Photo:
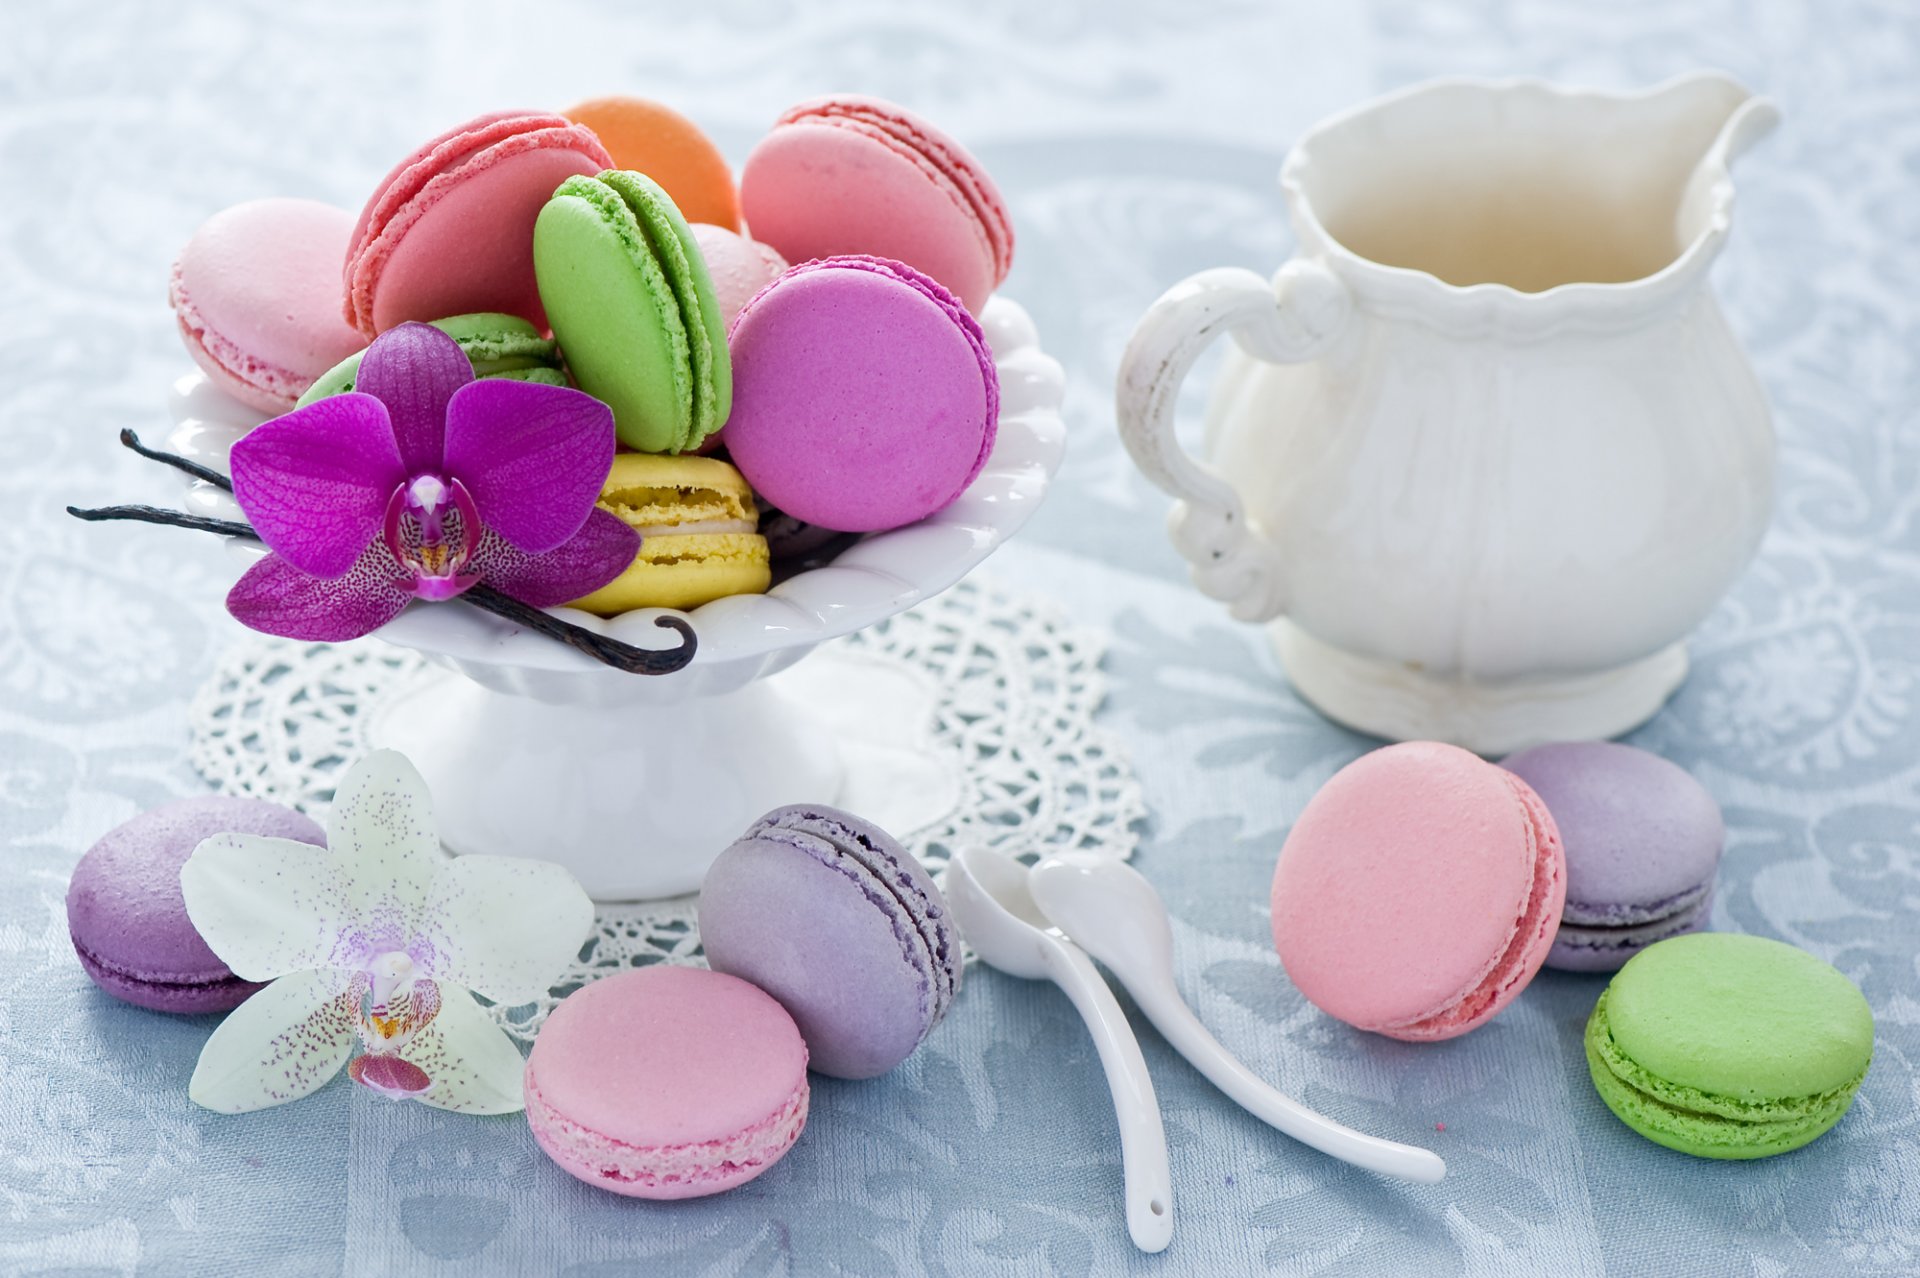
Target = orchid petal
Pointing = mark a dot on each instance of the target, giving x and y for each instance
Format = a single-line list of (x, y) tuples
[(277, 598), (602, 550), (281, 1044), (315, 483), (534, 457), (475, 1067), (270, 907), (502, 926), (415, 370), (381, 828)]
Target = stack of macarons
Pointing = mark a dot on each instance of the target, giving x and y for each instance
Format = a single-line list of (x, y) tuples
[(1422, 888), (830, 949), (812, 328)]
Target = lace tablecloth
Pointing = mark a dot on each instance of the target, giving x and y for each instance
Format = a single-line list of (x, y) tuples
[(1136, 142)]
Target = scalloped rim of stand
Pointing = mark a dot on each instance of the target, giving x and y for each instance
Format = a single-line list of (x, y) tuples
[(881, 575)]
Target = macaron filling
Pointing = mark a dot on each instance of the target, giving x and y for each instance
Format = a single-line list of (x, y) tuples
[(1720, 1126), (183, 981), (716, 1163), (1533, 925), (1597, 930)]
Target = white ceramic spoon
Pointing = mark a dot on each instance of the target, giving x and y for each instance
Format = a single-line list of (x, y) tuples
[(989, 898), (1110, 909)]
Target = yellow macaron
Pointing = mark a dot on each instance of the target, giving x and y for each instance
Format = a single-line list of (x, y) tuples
[(698, 534)]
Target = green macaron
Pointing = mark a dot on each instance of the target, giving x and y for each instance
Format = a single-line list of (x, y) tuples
[(1729, 1046), (633, 308), (499, 346)]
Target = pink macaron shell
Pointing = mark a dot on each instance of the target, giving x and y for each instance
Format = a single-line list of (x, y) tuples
[(667, 1082), (739, 267), (943, 152), (826, 186), (1418, 892), (256, 293), (461, 240), (864, 397)]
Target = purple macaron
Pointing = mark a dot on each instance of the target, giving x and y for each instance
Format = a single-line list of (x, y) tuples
[(864, 394), (1643, 841), (831, 916), (128, 917)]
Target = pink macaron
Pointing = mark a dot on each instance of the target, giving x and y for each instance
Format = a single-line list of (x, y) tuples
[(738, 266), (667, 1082), (450, 230), (256, 292), (1419, 892), (864, 395), (849, 174)]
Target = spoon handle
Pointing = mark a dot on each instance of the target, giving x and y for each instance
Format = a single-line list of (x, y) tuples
[(1143, 1141), (1177, 1023)]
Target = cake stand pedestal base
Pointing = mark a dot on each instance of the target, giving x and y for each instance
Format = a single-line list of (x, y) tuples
[(635, 801)]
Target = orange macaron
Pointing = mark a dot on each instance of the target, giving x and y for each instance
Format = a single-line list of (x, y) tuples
[(654, 139)]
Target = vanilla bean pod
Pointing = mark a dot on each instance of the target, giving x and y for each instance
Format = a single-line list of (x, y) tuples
[(607, 651)]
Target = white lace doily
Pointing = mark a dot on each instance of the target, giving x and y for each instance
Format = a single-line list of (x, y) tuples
[(1014, 688)]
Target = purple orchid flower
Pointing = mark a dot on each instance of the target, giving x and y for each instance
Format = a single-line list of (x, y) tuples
[(416, 485)]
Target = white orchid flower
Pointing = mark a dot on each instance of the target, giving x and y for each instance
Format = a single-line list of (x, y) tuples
[(376, 938)]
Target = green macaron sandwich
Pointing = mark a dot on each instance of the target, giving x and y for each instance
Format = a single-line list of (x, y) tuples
[(1729, 1046), (498, 345), (632, 305)]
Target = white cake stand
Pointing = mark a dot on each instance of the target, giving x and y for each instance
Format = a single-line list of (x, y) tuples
[(636, 782)]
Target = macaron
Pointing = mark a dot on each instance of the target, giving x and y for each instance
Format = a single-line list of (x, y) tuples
[(831, 916), (865, 396), (1643, 842), (497, 345), (667, 1082), (1728, 1046), (256, 292), (849, 174), (128, 917), (448, 231), (739, 267), (699, 534), (1418, 892), (652, 138), (630, 301)]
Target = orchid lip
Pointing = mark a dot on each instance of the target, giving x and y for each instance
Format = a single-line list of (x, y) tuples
[(416, 530)]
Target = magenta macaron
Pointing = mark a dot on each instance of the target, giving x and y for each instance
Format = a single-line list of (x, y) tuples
[(850, 174), (450, 230), (667, 1082), (256, 293), (128, 917), (1419, 892), (864, 395)]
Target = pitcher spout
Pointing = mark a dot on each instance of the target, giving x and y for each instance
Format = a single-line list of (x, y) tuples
[(1517, 205), (1732, 119)]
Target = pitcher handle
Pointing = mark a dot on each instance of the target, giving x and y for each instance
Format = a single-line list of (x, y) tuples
[(1292, 319)]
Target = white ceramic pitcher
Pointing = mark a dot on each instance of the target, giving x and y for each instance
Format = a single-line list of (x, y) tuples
[(1486, 447)]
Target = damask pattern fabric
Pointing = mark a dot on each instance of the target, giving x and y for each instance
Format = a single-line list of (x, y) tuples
[(1136, 142)]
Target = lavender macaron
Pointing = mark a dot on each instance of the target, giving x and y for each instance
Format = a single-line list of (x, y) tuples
[(1643, 841), (127, 915), (831, 916)]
